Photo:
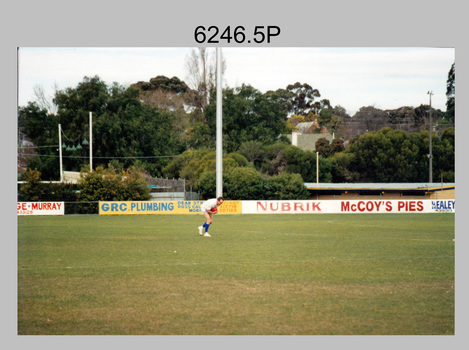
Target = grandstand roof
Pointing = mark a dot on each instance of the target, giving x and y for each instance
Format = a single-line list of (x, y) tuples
[(419, 186)]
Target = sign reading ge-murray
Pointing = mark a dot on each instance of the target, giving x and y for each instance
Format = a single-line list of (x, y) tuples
[(40, 208)]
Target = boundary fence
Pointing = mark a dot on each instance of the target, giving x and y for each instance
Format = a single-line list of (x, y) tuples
[(238, 207)]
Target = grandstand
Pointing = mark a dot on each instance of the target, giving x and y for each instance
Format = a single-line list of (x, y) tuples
[(351, 191)]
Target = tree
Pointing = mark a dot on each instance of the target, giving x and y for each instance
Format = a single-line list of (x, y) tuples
[(248, 115), (342, 168), (340, 112), (327, 149), (43, 101), (444, 160), (36, 122), (420, 116), (91, 94), (200, 135), (303, 101), (73, 108), (323, 147), (106, 184), (281, 158), (370, 119), (337, 145), (390, 156), (201, 69), (325, 118), (41, 127), (245, 183), (191, 164), (253, 151), (450, 94), (240, 183), (31, 190), (284, 187), (300, 99), (163, 92), (125, 130), (293, 122)]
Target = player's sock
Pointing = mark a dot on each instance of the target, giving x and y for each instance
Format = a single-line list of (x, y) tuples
[(206, 227)]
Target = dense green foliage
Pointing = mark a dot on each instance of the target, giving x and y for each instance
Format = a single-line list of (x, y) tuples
[(32, 190), (248, 115), (450, 94), (245, 183), (100, 185), (124, 129), (110, 185), (395, 156), (147, 126)]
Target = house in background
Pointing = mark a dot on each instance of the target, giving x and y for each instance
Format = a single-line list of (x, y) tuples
[(305, 135)]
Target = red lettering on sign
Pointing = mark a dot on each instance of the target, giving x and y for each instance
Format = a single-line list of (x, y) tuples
[(263, 208), (286, 207), (316, 207), (345, 206), (388, 206), (299, 206), (420, 206)]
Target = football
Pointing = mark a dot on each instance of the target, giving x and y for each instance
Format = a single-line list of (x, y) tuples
[(215, 210)]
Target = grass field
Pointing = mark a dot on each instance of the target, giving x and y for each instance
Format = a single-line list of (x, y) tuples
[(258, 274)]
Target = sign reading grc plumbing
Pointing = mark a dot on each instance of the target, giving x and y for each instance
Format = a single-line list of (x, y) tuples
[(162, 207), (40, 208), (149, 207)]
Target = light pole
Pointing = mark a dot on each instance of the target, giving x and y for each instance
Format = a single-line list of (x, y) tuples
[(91, 141), (317, 167), (219, 128), (430, 156)]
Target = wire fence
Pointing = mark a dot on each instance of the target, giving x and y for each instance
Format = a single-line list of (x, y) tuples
[(91, 207)]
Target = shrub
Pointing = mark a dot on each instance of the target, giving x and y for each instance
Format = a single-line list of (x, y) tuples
[(35, 191), (244, 183), (285, 186), (110, 185)]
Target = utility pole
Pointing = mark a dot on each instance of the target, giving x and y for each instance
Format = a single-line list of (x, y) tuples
[(430, 156)]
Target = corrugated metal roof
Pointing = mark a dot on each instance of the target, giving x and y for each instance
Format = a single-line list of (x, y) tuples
[(380, 186)]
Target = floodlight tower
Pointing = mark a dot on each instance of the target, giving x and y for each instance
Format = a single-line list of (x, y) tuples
[(219, 150)]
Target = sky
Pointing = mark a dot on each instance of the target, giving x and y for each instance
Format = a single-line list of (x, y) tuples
[(352, 77)]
